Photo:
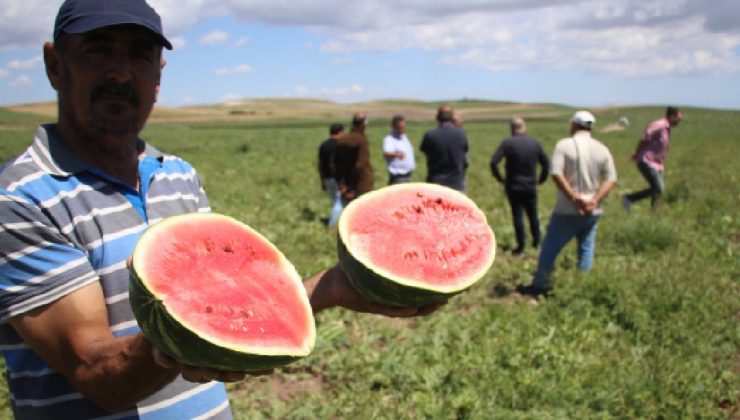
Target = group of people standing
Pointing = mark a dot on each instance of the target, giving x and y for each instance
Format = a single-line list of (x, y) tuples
[(581, 167), (344, 159)]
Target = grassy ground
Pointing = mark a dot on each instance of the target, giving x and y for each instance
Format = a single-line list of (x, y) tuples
[(652, 332)]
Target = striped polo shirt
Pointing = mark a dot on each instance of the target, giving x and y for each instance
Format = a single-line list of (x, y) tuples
[(64, 225)]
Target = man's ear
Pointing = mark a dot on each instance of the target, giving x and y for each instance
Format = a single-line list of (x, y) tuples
[(162, 63), (53, 65)]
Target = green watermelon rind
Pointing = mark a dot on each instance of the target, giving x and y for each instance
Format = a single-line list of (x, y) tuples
[(385, 288), (380, 289), (173, 337)]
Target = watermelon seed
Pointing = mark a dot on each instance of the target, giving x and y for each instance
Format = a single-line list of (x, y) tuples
[(262, 330), (420, 194), (439, 200), (245, 329), (209, 309), (229, 249), (411, 255), (209, 245)]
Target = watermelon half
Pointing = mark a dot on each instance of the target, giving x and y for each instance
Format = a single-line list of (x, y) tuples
[(212, 292), (414, 244)]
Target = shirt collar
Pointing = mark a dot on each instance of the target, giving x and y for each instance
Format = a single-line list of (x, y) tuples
[(582, 134), (55, 158)]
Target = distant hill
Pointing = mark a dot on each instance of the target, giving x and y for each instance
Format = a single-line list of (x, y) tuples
[(319, 109)]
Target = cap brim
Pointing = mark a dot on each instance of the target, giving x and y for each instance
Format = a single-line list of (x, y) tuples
[(82, 25)]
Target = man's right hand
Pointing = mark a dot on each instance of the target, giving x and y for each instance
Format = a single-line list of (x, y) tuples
[(200, 374)]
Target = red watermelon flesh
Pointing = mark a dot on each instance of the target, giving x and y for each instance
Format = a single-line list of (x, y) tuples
[(414, 243), (226, 283)]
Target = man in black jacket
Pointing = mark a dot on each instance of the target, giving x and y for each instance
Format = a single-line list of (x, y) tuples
[(522, 153), (446, 150)]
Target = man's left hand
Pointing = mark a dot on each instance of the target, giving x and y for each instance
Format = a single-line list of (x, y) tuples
[(331, 288)]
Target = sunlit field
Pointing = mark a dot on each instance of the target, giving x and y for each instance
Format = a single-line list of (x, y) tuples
[(652, 332)]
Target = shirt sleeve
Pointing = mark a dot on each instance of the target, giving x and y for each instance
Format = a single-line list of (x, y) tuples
[(609, 172), (423, 147), (388, 145), (497, 156), (39, 264), (204, 205), (545, 162), (557, 163)]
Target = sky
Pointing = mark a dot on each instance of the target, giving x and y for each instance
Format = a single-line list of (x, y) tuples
[(573, 52)]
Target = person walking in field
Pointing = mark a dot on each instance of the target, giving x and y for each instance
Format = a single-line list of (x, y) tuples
[(584, 173), (446, 150), (398, 152), (353, 170), (326, 171), (72, 207), (522, 154), (650, 155)]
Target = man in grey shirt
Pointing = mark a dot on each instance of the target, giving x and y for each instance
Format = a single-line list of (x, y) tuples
[(583, 170)]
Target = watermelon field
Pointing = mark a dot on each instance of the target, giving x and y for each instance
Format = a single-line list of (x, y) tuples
[(652, 332)]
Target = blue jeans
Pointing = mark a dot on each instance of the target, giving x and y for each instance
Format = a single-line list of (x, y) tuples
[(337, 203), (561, 229)]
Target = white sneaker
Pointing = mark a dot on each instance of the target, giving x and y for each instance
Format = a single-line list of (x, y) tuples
[(627, 204)]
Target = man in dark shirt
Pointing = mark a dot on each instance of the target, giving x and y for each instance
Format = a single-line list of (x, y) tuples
[(522, 153), (353, 170), (446, 149), (326, 171)]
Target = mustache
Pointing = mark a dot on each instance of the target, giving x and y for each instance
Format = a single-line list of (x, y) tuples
[(112, 88)]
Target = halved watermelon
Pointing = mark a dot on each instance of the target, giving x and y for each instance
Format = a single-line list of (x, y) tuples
[(212, 292), (414, 244)]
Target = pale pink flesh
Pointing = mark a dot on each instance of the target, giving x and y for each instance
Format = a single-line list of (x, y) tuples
[(223, 281), (428, 237)]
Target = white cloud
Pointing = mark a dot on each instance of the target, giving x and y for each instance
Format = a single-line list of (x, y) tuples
[(241, 42), (214, 37), (31, 63), (240, 69), (178, 42), (625, 37), (333, 92), (231, 97), (21, 81)]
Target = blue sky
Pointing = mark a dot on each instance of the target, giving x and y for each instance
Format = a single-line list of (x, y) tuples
[(576, 52)]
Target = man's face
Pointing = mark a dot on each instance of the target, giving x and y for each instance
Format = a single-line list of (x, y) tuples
[(107, 84), (399, 127), (675, 119)]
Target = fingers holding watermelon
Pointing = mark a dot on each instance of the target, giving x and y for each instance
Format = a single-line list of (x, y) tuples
[(331, 288), (202, 375)]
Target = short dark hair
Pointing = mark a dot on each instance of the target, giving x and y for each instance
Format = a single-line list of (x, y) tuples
[(671, 112), (397, 119), (445, 114), (336, 128), (359, 121)]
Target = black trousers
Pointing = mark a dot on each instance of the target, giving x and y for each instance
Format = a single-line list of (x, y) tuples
[(524, 201)]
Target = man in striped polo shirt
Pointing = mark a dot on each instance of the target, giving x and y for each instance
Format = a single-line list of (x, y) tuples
[(73, 205)]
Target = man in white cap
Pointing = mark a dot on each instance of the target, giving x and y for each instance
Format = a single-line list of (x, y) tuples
[(583, 170)]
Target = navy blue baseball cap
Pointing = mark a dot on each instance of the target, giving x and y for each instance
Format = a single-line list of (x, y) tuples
[(79, 16)]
